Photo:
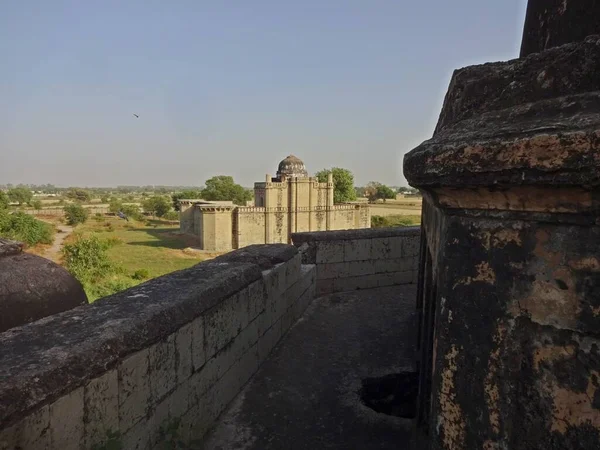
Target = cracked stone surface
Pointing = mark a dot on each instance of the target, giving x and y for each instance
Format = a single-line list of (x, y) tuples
[(306, 395)]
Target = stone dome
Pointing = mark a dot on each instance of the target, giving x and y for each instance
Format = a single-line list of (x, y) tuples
[(32, 287), (292, 166)]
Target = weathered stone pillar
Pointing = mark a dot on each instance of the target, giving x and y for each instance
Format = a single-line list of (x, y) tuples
[(509, 287), (292, 208), (329, 209)]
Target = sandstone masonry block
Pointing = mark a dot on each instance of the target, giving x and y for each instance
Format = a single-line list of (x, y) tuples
[(406, 277), (225, 390), (198, 345), (163, 376), (101, 399), (158, 421), (225, 321), (382, 249), (256, 299), (66, 421), (32, 433), (268, 341), (330, 252), (183, 347), (179, 400), (292, 270), (196, 422), (134, 389), (137, 437), (357, 250), (411, 246)]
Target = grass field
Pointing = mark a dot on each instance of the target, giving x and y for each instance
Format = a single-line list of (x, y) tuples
[(404, 207), (156, 248)]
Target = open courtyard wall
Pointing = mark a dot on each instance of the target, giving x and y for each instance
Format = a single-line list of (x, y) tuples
[(361, 259)]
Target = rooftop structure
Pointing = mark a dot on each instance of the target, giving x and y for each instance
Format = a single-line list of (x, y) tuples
[(289, 203)]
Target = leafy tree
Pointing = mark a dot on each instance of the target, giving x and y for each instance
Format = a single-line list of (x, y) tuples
[(105, 199), (80, 195), (132, 211), (184, 195), (4, 201), (20, 195), (171, 215), (115, 205), (157, 204), (343, 184), (223, 188), (36, 204), (385, 193), (76, 214)]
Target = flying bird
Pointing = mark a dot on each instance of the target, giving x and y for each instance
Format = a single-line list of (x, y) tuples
[(136, 116)]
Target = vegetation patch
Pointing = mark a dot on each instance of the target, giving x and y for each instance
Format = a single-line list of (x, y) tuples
[(25, 228), (395, 221)]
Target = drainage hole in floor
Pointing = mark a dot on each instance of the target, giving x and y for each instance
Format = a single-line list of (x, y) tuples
[(394, 394)]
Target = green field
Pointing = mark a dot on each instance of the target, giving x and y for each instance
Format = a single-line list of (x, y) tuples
[(154, 246)]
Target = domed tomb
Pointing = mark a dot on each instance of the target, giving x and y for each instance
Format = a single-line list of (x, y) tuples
[(32, 287), (291, 166)]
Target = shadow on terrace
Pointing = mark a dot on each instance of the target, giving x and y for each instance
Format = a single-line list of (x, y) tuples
[(267, 347)]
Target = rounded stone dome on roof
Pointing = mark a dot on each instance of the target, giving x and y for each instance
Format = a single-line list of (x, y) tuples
[(32, 287), (292, 166)]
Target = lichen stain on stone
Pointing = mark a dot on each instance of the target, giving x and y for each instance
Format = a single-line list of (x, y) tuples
[(548, 304), (543, 151), (529, 198), (490, 387), (551, 354), (573, 409), (589, 264), (499, 238), (485, 274), (451, 420)]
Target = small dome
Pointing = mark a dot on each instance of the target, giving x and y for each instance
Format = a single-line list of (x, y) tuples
[(292, 167), (32, 287)]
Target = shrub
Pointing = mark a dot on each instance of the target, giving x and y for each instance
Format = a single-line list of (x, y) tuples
[(108, 226), (171, 215), (107, 287), (3, 200), (76, 214), (23, 227), (87, 260), (141, 274), (36, 204), (113, 240), (394, 221), (98, 217)]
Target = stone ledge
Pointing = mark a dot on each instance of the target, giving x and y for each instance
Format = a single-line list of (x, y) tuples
[(43, 360), (364, 233)]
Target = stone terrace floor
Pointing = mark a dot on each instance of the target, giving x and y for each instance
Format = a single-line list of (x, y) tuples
[(305, 396)]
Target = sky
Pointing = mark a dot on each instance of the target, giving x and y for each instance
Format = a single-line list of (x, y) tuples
[(231, 87)]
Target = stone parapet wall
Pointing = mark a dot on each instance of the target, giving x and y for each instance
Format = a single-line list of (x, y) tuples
[(361, 259), (153, 364)]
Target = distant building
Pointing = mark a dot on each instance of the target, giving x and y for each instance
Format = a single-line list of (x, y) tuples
[(289, 203)]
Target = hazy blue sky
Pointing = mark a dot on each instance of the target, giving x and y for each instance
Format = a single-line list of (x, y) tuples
[(231, 87)]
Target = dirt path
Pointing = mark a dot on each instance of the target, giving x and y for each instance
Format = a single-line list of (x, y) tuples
[(54, 251)]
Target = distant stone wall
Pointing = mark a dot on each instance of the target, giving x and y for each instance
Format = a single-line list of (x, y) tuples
[(156, 362), (361, 259)]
